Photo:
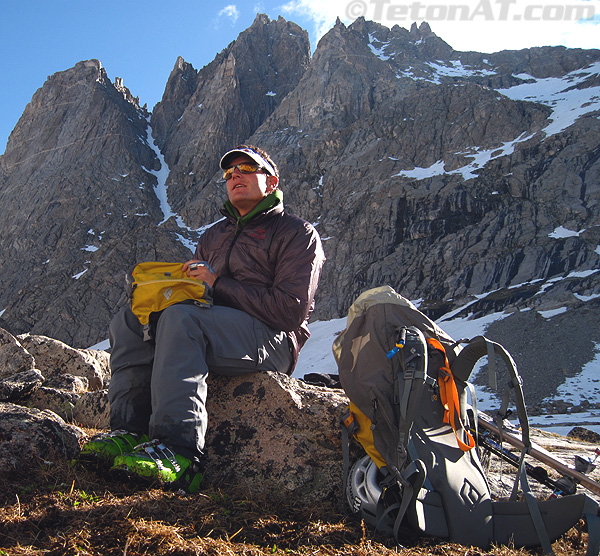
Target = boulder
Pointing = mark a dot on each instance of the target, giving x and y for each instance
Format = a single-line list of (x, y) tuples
[(270, 432), (14, 358), (20, 385), (46, 374), (31, 437), (91, 409), (54, 357), (581, 433), (56, 400)]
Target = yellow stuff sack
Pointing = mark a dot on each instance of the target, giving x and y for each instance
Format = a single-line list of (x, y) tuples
[(154, 286)]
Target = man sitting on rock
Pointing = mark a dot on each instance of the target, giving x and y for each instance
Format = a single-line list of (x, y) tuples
[(263, 265)]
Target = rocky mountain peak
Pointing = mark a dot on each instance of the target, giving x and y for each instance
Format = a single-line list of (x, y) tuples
[(260, 21), (119, 86), (421, 32), (178, 91), (80, 80), (77, 158), (242, 87), (342, 84)]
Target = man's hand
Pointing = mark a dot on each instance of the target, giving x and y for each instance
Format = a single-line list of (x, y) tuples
[(200, 270)]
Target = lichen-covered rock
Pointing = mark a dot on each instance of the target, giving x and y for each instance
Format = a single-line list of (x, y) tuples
[(54, 357), (20, 385), (30, 437), (58, 401), (92, 410), (102, 358), (581, 433), (68, 383), (268, 431), (14, 358)]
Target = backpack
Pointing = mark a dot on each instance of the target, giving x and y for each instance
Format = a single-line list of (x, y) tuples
[(406, 380), (153, 286)]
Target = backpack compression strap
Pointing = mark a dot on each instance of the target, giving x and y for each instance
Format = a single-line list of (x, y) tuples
[(479, 347), (449, 399)]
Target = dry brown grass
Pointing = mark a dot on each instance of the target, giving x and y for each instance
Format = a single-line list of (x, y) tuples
[(68, 510)]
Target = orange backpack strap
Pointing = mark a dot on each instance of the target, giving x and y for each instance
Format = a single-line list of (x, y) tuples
[(449, 398)]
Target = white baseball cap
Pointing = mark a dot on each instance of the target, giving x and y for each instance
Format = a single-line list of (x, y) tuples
[(257, 157)]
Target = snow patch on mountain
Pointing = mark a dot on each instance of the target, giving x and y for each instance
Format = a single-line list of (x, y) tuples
[(187, 236), (378, 50), (561, 232), (455, 68), (480, 157), (161, 175), (567, 96)]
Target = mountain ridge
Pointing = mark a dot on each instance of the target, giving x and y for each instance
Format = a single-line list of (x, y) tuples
[(444, 174)]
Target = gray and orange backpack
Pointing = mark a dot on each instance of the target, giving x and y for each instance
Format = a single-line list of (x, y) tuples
[(410, 409)]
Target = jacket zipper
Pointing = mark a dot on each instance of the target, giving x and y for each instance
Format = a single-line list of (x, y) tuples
[(238, 231)]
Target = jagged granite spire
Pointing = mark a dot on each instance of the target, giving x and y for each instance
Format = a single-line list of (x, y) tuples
[(202, 115), (78, 206)]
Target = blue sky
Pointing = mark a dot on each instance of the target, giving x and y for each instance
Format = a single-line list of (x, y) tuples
[(140, 41)]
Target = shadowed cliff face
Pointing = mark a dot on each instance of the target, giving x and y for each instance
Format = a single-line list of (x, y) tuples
[(203, 114), (430, 179), (443, 174), (76, 196)]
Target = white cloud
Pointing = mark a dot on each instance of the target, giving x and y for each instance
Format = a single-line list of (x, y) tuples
[(322, 15), (479, 25), (231, 12)]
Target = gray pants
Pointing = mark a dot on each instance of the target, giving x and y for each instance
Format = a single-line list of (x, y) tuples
[(160, 388)]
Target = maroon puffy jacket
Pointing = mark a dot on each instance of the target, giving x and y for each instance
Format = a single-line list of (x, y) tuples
[(268, 267)]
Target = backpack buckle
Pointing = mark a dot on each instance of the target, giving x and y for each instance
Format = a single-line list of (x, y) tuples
[(349, 422)]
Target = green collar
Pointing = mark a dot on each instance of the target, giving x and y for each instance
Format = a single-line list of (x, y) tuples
[(270, 201)]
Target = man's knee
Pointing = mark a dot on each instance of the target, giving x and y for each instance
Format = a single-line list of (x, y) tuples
[(128, 347), (180, 321), (123, 321), (181, 314)]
